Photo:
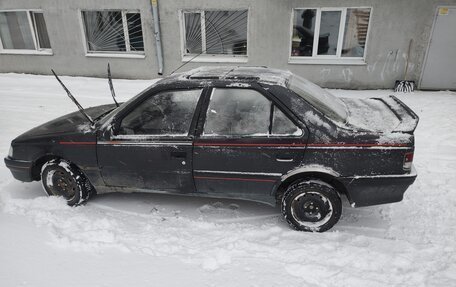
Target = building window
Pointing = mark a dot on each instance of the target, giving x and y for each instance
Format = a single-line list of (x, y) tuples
[(113, 32), (23, 32), (329, 33), (215, 33)]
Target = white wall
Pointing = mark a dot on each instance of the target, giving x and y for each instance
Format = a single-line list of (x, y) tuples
[(393, 24)]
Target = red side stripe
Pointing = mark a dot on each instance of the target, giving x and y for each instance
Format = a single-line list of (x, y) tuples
[(235, 178), (302, 145), (250, 144), (356, 145), (266, 144), (77, 143)]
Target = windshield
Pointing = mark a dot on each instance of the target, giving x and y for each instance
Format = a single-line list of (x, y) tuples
[(321, 99)]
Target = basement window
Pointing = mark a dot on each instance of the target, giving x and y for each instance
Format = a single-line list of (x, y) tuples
[(23, 32), (113, 31), (329, 35), (214, 35)]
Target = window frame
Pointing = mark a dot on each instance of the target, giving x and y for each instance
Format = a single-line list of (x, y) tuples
[(275, 135), (328, 59), (38, 50), (116, 122), (210, 58), (113, 54), (274, 103)]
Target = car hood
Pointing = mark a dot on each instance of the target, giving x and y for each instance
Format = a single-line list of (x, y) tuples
[(384, 115), (71, 123)]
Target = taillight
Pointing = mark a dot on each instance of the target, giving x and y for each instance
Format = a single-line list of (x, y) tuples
[(408, 159)]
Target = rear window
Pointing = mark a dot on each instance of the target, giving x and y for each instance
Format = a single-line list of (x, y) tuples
[(321, 99)]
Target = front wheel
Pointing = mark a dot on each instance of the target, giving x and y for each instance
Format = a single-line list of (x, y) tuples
[(60, 178), (311, 205)]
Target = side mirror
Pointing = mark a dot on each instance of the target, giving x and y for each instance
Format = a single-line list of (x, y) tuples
[(112, 129)]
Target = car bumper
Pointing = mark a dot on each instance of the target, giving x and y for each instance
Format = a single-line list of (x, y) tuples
[(21, 169), (380, 189)]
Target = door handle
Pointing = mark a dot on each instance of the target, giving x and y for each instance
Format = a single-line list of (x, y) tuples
[(178, 154), (284, 158)]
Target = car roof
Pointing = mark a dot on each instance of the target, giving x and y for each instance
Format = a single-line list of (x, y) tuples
[(233, 74)]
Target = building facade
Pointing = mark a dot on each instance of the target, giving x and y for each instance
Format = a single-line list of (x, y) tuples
[(356, 44)]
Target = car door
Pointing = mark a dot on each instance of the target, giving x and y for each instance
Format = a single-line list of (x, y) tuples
[(152, 147), (245, 143)]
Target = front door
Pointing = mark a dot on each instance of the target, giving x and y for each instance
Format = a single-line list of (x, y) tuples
[(439, 71), (246, 144), (152, 148)]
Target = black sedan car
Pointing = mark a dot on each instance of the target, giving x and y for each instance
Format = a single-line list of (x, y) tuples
[(235, 132)]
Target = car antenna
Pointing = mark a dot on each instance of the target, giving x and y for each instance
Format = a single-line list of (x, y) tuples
[(194, 57), (81, 109), (111, 87), (185, 63)]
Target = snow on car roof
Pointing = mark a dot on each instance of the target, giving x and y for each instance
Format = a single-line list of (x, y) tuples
[(236, 73)]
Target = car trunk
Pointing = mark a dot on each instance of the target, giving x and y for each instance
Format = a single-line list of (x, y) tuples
[(393, 122), (382, 115)]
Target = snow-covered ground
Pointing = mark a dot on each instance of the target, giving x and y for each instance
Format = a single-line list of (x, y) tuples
[(164, 240)]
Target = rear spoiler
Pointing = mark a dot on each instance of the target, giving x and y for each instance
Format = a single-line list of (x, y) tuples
[(408, 118)]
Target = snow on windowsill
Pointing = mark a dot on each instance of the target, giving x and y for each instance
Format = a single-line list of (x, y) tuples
[(327, 61), (216, 58), (115, 55), (26, 52)]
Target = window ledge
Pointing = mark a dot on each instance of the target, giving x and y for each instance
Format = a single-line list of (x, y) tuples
[(115, 55), (26, 52), (320, 61), (215, 59)]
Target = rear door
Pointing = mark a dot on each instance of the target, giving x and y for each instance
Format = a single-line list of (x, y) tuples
[(245, 143), (153, 146)]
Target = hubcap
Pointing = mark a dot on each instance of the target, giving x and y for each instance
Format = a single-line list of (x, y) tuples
[(311, 209), (61, 184)]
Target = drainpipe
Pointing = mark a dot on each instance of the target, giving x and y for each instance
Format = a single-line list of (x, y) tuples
[(158, 46)]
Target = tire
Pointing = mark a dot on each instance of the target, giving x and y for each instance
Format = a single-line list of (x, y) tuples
[(311, 205), (61, 178)]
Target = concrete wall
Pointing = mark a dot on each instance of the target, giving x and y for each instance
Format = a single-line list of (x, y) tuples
[(63, 21), (393, 24)]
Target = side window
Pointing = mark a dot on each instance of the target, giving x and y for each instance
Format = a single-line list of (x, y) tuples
[(282, 125), (166, 113), (244, 112), (237, 112)]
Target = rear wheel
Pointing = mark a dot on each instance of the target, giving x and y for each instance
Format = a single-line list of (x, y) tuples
[(311, 205), (61, 178)]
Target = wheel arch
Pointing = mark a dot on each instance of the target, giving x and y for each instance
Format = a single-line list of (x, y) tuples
[(327, 176), (38, 164), (40, 161)]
